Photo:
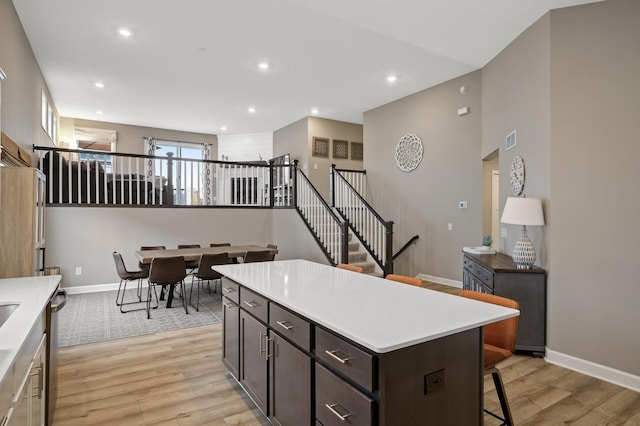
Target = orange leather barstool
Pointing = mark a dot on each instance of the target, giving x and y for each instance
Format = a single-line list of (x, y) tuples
[(499, 344), (348, 267), (405, 280)]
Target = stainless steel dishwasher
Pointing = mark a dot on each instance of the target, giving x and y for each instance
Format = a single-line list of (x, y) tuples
[(56, 303)]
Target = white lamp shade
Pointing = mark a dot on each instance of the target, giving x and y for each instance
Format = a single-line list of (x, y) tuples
[(523, 211)]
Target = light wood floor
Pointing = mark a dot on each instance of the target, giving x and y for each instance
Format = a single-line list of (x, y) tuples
[(177, 378)]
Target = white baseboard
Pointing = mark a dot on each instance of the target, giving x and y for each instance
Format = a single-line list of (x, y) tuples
[(96, 288), (592, 369), (440, 280)]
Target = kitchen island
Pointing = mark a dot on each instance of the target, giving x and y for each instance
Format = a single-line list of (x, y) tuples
[(314, 342)]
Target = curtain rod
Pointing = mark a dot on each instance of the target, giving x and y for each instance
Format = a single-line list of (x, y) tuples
[(173, 140)]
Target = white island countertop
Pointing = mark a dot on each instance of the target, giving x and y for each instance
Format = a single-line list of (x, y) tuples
[(32, 294), (379, 314)]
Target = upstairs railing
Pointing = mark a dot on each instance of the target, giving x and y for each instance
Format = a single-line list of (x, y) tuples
[(375, 234), (329, 230), (87, 177)]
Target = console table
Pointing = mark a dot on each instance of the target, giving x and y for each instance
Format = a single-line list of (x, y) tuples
[(497, 274), (313, 344)]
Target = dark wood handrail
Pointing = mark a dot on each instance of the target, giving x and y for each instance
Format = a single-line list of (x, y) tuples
[(406, 246), (361, 199)]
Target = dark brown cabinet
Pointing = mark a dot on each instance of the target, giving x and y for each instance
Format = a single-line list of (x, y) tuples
[(497, 274), (253, 359), (290, 378), (231, 336), (272, 369)]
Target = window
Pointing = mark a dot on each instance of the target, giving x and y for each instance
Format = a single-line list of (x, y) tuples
[(187, 176), (48, 119)]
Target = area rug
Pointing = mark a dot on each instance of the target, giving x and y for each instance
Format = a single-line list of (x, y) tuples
[(94, 317)]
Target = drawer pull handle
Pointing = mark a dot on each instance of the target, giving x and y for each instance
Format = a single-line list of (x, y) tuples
[(285, 324), (333, 355), (342, 417), (228, 290), (227, 305), (251, 304), (262, 349)]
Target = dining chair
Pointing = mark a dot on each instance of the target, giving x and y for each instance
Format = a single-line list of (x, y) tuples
[(258, 256), (272, 246), (167, 271), (125, 277), (231, 259), (206, 273), (499, 344), (348, 267), (191, 265), (143, 248), (146, 266), (405, 280)]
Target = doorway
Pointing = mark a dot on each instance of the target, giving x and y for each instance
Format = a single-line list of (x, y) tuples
[(491, 197)]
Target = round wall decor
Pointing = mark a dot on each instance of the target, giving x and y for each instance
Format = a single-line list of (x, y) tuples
[(408, 152), (516, 175)]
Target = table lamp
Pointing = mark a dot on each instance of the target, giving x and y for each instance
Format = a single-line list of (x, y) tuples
[(523, 211)]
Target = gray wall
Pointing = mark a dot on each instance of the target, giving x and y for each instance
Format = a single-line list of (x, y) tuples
[(425, 200), (22, 89), (291, 140), (515, 96), (294, 239), (297, 139), (595, 103), (318, 167), (86, 236)]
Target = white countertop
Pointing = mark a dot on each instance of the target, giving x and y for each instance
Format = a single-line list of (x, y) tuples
[(379, 314), (32, 294)]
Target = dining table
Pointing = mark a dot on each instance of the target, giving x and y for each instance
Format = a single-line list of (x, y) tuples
[(194, 253)]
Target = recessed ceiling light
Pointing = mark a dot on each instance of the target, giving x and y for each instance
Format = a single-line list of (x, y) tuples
[(251, 110), (99, 112), (314, 111), (124, 32), (392, 78), (99, 85), (223, 128), (263, 65)]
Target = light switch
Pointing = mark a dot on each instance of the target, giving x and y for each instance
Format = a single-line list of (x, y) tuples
[(503, 232), (450, 226)]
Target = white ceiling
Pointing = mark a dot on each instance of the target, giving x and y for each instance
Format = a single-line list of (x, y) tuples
[(191, 65)]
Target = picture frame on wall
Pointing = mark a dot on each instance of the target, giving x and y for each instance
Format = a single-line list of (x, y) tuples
[(357, 151), (340, 149), (320, 147)]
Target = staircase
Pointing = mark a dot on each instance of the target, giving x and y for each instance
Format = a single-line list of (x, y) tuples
[(359, 257), (336, 237)]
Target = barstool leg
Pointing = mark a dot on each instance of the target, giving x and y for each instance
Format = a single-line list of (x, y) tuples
[(502, 396)]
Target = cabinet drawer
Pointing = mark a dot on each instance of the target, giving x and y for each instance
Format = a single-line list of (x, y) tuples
[(290, 326), (484, 275), (345, 358), (338, 403), (231, 290), (255, 304)]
